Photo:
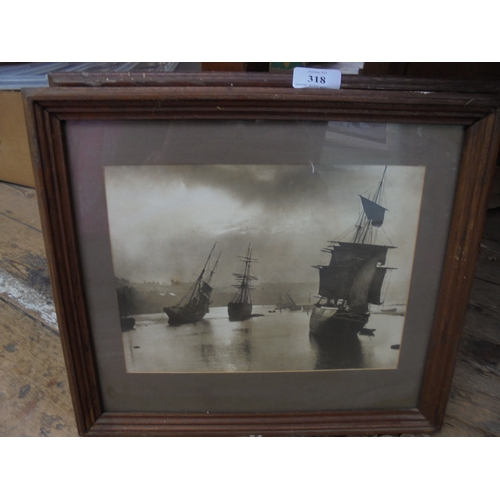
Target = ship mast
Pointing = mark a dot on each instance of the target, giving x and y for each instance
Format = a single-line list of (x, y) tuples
[(244, 279), (371, 216), (213, 268), (197, 284), (355, 273)]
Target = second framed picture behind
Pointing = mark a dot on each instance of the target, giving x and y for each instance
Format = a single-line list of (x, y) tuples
[(259, 260)]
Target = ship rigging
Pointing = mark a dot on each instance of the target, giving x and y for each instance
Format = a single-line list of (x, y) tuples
[(354, 277), (195, 303), (240, 308)]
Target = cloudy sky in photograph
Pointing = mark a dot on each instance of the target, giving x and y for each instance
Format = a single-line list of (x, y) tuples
[(165, 219)]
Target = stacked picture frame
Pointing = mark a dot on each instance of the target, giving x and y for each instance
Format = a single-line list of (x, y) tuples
[(116, 161)]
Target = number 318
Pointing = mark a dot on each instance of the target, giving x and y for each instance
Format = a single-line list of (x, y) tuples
[(316, 79)]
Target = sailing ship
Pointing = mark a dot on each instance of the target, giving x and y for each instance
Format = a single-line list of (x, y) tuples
[(354, 276), (195, 303), (308, 307), (281, 303), (127, 322), (292, 305), (287, 302), (240, 308)]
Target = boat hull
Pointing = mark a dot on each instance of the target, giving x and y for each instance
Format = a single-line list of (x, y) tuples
[(127, 323), (183, 315), (239, 311), (333, 322)]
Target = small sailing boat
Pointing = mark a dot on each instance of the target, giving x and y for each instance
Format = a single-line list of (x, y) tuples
[(287, 302), (354, 277), (292, 305), (240, 308), (308, 307), (198, 298), (281, 303), (127, 322)]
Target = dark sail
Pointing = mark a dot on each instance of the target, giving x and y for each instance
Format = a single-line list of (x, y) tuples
[(206, 289), (335, 281), (361, 284), (198, 303), (351, 271), (354, 277), (376, 286), (374, 212), (347, 253), (202, 300)]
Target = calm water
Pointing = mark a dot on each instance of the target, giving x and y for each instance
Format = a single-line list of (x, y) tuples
[(273, 342)]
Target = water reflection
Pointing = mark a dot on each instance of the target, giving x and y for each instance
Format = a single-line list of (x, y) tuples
[(240, 344), (265, 342), (342, 351), (207, 347), (240, 347), (216, 351), (208, 353)]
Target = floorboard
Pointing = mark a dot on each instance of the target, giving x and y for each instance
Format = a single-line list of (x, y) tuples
[(34, 394)]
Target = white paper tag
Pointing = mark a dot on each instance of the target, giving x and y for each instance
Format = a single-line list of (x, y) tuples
[(316, 78)]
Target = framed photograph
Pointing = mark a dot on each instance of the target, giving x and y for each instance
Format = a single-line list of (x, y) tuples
[(237, 257)]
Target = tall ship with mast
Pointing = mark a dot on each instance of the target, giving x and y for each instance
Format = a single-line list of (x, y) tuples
[(240, 308), (195, 303), (354, 277)]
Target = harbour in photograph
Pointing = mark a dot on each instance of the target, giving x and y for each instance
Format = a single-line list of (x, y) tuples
[(217, 270), (277, 341)]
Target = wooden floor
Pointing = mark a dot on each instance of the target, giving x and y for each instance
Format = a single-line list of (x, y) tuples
[(34, 394)]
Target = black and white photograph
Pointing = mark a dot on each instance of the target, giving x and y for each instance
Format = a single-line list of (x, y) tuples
[(262, 268)]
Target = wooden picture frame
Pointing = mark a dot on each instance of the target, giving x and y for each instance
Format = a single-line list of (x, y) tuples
[(68, 124)]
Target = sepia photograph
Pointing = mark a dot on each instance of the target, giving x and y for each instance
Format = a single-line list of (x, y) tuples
[(262, 268)]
